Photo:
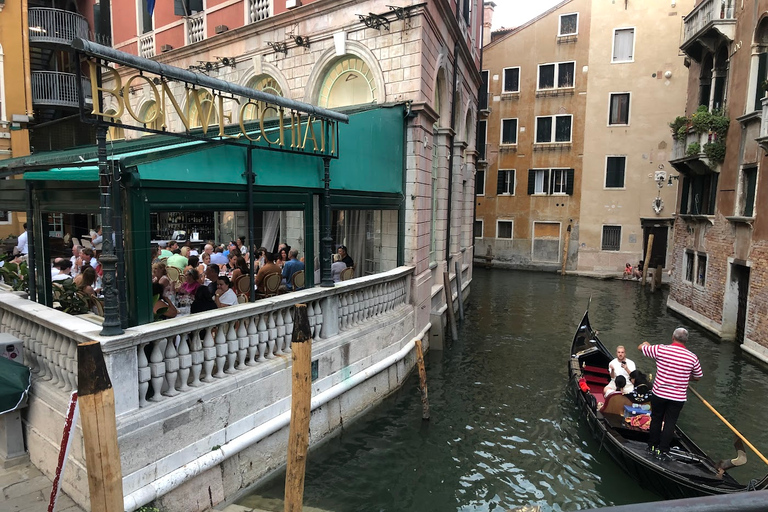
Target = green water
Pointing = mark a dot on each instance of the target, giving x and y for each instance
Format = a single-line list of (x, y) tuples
[(504, 431)]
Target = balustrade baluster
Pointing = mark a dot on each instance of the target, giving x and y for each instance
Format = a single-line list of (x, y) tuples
[(209, 355), (232, 347), (311, 318), (242, 340), (144, 374), (157, 369), (30, 358), (53, 359), (280, 323), (358, 301), (185, 361), (221, 350), (263, 335), (40, 346), (196, 349), (272, 335), (62, 364), (318, 320), (368, 303), (72, 364), (288, 327), (253, 340), (171, 366), (343, 312)]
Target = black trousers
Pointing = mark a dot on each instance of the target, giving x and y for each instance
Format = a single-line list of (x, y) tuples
[(667, 411)]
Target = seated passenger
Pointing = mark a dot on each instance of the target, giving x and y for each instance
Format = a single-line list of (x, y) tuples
[(627, 271), (642, 391), (618, 385)]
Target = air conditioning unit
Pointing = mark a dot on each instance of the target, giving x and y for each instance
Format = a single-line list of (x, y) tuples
[(166, 48), (220, 29), (11, 348), (290, 4)]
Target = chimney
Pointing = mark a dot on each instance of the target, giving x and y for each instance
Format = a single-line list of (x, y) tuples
[(488, 8)]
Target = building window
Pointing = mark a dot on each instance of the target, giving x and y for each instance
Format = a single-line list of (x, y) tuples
[(145, 20), (569, 24), (478, 228), (511, 80), (689, 262), (748, 187), (482, 99), (699, 194), (264, 83), (348, 82), (611, 238), (619, 109), (623, 44), (550, 181), (614, 171), (505, 184), (509, 131), (479, 183), (482, 137), (560, 75), (154, 117), (701, 269), (553, 129), (504, 229)]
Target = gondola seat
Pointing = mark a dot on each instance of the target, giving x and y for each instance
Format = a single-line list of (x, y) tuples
[(615, 403)]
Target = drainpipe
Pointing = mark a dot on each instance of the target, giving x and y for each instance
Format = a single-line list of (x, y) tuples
[(450, 154), (174, 479)]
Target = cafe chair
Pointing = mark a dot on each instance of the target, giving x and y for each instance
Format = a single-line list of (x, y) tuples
[(174, 274), (271, 285), (76, 241), (347, 273), (243, 284), (87, 244), (297, 280)]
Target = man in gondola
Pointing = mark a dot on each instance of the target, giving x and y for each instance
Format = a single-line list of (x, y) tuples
[(675, 367), (620, 365)]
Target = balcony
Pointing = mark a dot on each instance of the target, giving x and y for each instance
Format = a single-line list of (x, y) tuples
[(195, 25), (689, 157), (763, 138), (57, 89), (710, 23), (49, 26), (147, 45)]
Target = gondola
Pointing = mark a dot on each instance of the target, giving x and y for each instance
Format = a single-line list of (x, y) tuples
[(689, 472)]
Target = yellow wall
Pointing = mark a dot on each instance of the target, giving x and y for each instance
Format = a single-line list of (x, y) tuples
[(13, 38)]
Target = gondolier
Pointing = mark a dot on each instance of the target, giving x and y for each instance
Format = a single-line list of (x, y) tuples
[(675, 367)]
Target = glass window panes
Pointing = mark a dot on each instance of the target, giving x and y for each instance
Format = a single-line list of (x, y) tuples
[(547, 76), (553, 129), (611, 238), (619, 113), (348, 82), (506, 182), (563, 128), (701, 270), (480, 183), (689, 267), (481, 139), (509, 131), (565, 74), (749, 185), (543, 129), (478, 229), (541, 181), (569, 24), (623, 44), (614, 171), (511, 80), (559, 181), (504, 229)]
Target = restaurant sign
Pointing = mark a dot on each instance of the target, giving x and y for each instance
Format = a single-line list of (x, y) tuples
[(203, 105)]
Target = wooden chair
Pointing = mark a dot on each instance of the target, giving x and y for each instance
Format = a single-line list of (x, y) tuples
[(347, 273), (297, 280), (76, 241), (243, 284), (271, 285), (87, 244), (174, 274)]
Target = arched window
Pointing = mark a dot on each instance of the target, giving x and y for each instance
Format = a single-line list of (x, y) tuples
[(705, 80), (720, 78), (349, 81), (263, 83), (207, 107), (114, 132), (760, 67), (149, 111)]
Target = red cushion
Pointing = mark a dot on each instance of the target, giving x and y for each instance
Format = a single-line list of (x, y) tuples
[(596, 369)]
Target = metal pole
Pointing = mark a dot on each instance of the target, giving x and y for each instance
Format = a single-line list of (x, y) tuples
[(251, 242), (31, 244), (325, 243), (111, 325), (119, 247)]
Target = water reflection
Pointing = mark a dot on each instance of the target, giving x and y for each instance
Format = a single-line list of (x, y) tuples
[(504, 432)]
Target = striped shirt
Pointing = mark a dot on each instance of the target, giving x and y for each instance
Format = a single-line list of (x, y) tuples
[(675, 365)]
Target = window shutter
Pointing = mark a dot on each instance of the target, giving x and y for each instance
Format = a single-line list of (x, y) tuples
[(195, 5), (500, 182), (180, 8), (512, 178), (569, 183), (712, 195), (684, 199), (531, 181)]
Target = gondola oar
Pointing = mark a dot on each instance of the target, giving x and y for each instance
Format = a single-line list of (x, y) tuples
[(727, 424)]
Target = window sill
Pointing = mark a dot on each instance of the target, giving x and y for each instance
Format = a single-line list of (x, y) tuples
[(502, 238), (736, 219), (622, 61), (563, 91), (697, 218), (568, 38), (744, 120), (551, 146), (508, 147), (618, 125), (505, 195), (614, 188), (433, 265), (514, 95)]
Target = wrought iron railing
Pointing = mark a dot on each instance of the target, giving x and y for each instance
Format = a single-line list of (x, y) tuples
[(47, 25), (55, 88)]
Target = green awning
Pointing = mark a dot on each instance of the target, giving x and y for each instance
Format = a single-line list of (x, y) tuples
[(15, 380), (90, 173)]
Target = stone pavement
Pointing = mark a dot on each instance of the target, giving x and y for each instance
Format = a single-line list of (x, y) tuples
[(25, 488)]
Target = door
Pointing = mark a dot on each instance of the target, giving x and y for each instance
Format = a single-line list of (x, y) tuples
[(659, 249), (742, 277)]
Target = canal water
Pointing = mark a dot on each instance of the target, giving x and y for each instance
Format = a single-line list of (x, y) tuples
[(504, 430)]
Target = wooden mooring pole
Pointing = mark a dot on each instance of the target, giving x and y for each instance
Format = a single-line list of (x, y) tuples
[(458, 288), (97, 416), (565, 250), (301, 398), (422, 381), (647, 261), (449, 303)]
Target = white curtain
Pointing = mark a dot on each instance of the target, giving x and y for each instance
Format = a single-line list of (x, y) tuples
[(539, 185), (355, 239), (271, 227)]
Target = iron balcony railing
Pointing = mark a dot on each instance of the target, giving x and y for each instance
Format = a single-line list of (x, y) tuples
[(705, 13), (57, 89), (47, 25)]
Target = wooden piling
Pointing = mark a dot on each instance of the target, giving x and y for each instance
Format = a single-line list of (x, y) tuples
[(97, 415), (647, 261), (458, 288), (657, 276), (422, 381), (301, 398), (565, 250), (449, 303)]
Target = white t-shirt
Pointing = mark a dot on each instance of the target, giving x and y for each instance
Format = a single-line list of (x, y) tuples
[(228, 297), (21, 243), (617, 369)]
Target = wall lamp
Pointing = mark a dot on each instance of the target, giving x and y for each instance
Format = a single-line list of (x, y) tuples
[(669, 182)]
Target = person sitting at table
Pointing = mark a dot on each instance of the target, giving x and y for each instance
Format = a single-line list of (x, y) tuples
[(218, 256), (283, 256), (86, 280), (97, 237), (164, 252), (203, 301), (64, 268), (269, 267), (88, 257), (261, 253), (205, 260), (55, 266), (155, 252), (160, 275), (74, 258), (211, 278), (163, 306), (240, 242), (177, 260), (232, 262), (290, 267), (191, 282), (346, 258), (241, 269), (336, 267), (225, 296)]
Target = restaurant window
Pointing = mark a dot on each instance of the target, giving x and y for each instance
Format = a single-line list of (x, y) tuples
[(689, 262), (509, 131), (479, 183), (611, 238), (569, 24), (504, 229), (623, 44), (701, 269), (478, 228), (506, 183), (511, 80), (614, 171), (748, 187), (550, 181), (553, 129), (558, 75), (619, 108), (145, 19), (348, 82), (482, 136)]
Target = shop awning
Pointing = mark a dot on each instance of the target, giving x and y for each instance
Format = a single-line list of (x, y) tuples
[(89, 173)]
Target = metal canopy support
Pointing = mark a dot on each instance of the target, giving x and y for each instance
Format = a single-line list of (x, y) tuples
[(117, 203), (326, 279), (249, 176), (31, 245)]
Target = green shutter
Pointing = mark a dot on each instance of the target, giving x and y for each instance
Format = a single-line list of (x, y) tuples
[(569, 183), (749, 201), (684, 197), (712, 194), (531, 181)]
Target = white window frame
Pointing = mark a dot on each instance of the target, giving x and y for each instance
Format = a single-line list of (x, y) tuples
[(139, 22), (482, 229), (605, 174), (560, 24), (503, 73), (634, 43), (501, 132), (554, 128), (564, 182), (512, 231), (485, 182), (514, 182), (684, 266), (546, 191), (557, 75), (602, 236), (629, 108)]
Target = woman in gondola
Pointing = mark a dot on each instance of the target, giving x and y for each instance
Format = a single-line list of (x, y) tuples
[(642, 392)]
